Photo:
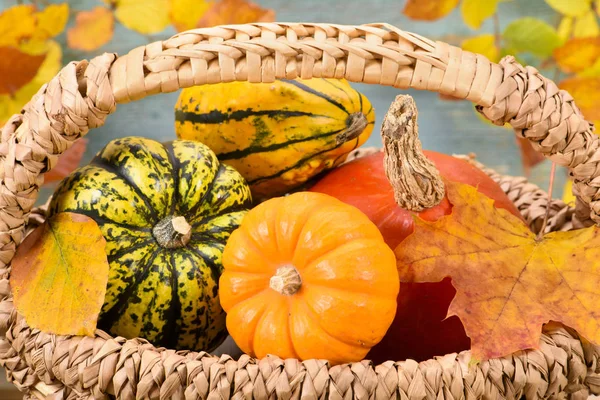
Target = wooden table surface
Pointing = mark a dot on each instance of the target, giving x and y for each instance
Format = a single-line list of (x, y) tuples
[(446, 126)]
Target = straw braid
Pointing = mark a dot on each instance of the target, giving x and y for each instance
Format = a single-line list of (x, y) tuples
[(83, 94)]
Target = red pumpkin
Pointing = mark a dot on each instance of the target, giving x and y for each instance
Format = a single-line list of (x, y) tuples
[(419, 330)]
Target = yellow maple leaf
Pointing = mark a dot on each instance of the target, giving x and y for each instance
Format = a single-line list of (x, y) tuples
[(12, 104), (577, 54), (185, 14), (586, 25), (51, 21), (143, 16), (565, 28), (508, 282), (474, 12), (484, 45), (92, 29), (16, 23), (61, 269), (572, 8), (235, 12), (429, 10)]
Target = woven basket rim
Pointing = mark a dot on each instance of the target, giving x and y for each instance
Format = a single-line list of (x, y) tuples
[(84, 93)]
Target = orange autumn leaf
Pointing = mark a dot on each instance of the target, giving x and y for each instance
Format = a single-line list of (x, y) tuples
[(577, 54), (235, 12), (508, 283), (586, 92), (67, 162), (59, 275), (429, 10), (17, 68), (92, 29)]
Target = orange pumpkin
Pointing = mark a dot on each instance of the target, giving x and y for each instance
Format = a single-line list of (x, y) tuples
[(307, 276)]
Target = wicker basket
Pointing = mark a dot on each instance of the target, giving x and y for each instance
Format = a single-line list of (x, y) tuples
[(84, 93)]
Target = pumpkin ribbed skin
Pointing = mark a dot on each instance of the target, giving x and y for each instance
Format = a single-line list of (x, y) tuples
[(166, 295), (277, 135)]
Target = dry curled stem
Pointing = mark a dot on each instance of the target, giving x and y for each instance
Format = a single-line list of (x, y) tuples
[(416, 182)]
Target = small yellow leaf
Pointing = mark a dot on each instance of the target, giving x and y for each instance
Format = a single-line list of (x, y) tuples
[(92, 29), (577, 54), (572, 8), (429, 10), (586, 92), (16, 23), (474, 12), (143, 16), (484, 45), (51, 21), (185, 14), (59, 275), (17, 68), (235, 12), (565, 28), (568, 196), (586, 25), (12, 104)]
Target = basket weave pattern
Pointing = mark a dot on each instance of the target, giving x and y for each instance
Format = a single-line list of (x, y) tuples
[(85, 93)]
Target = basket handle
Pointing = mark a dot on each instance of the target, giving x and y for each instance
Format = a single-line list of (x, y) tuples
[(83, 94)]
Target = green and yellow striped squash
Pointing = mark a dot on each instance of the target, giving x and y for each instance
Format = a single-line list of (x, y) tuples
[(163, 276), (277, 135)]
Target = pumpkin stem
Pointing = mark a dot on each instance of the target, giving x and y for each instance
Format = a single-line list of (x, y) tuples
[(286, 280), (416, 182), (355, 125), (172, 232)]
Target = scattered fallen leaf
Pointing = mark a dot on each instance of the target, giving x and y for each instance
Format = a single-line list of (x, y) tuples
[(185, 14), (429, 10), (12, 104), (577, 54), (508, 284), (16, 23), (143, 16), (586, 92), (51, 21), (235, 12), (59, 275), (17, 69), (531, 35), (474, 12), (529, 157), (572, 8), (92, 29), (586, 25), (484, 45), (67, 162)]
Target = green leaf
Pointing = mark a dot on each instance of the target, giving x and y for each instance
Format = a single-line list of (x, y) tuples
[(484, 45), (572, 8), (474, 12), (531, 35)]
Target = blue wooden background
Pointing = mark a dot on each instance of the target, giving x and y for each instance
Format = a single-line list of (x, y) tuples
[(450, 127)]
